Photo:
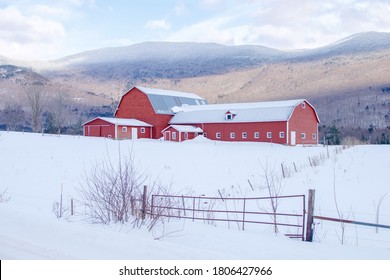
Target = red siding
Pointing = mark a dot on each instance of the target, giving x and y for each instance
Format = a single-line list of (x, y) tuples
[(211, 130), (99, 128), (102, 128), (180, 136), (136, 105), (129, 133), (304, 120)]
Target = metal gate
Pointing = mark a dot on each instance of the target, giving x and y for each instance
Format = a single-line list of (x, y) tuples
[(284, 214)]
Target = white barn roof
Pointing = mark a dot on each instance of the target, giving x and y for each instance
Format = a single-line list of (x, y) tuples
[(243, 112)]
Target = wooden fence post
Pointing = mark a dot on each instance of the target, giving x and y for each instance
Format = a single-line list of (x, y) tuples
[(284, 175), (144, 203), (71, 207), (310, 216)]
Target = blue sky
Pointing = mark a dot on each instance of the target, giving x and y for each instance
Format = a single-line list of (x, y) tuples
[(46, 29)]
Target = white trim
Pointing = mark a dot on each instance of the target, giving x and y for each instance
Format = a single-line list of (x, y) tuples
[(288, 133)]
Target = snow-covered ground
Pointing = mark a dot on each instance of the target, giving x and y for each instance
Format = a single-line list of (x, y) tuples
[(34, 168)]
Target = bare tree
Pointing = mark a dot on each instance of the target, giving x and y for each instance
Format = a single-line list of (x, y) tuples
[(110, 191), (36, 100), (274, 187), (59, 108), (340, 214)]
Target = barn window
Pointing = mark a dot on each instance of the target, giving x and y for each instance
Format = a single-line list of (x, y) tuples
[(303, 135), (142, 129), (173, 135), (269, 135), (281, 134), (314, 136), (229, 115), (303, 105), (185, 135), (124, 129), (218, 135), (232, 135), (244, 135), (257, 135)]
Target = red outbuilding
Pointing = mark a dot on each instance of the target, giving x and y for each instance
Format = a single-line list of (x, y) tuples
[(117, 128), (154, 106), (285, 122), (179, 133)]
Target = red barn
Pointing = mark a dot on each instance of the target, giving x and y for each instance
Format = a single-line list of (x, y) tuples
[(117, 128), (178, 133), (285, 122), (154, 106)]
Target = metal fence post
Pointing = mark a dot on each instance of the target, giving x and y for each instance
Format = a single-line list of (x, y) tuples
[(152, 207), (144, 203), (310, 216), (243, 216)]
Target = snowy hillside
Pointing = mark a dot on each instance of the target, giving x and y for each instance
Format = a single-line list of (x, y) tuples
[(358, 43), (160, 52), (172, 60), (35, 167)]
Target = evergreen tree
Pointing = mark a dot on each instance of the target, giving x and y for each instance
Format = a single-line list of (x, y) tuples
[(333, 136)]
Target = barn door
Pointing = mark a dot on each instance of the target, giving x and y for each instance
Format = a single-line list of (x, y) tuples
[(293, 138), (167, 136), (134, 133)]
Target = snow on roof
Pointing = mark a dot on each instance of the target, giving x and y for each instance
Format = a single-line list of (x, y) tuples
[(244, 112), (187, 128), (252, 105), (127, 122), (164, 100), (156, 91)]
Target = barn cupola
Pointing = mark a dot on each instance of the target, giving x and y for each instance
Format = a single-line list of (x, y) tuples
[(229, 115)]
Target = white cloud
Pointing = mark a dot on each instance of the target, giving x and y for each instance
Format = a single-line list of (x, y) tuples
[(158, 24), (284, 24), (27, 36)]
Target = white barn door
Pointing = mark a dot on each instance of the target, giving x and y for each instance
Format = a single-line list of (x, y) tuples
[(134, 133), (293, 138)]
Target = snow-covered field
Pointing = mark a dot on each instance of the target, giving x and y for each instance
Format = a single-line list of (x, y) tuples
[(34, 168)]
